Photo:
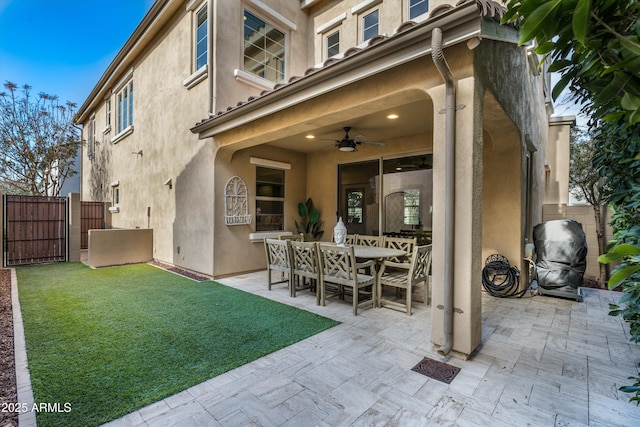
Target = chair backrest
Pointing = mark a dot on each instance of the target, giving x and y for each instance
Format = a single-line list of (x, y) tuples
[(297, 237), (369, 240), (402, 243), (352, 239), (304, 259), (277, 251), (420, 264), (337, 263)]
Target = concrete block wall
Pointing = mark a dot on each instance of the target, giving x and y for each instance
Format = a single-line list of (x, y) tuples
[(584, 215)]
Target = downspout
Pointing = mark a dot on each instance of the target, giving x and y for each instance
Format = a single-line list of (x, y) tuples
[(449, 186)]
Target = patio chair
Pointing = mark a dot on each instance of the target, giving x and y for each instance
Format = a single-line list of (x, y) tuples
[(363, 240), (304, 267), (351, 239), (338, 268), (402, 243), (402, 275), (278, 259), (298, 237)]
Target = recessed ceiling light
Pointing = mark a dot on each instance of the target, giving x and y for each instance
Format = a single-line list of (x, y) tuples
[(392, 116), (310, 136)]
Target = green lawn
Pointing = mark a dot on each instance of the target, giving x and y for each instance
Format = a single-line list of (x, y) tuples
[(110, 341)]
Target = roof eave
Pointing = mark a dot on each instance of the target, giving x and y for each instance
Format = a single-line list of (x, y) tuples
[(459, 24), (119, 63)]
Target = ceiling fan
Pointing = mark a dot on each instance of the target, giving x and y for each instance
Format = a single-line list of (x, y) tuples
[(349, 144)]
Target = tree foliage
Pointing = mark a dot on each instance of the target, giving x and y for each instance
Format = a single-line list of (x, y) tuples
[(38, 141), (594, 44), (586, 183)]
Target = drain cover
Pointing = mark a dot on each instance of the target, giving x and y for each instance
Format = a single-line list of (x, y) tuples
[(436, 370)]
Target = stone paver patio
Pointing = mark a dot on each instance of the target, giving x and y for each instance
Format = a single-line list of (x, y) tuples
[(543, 362)]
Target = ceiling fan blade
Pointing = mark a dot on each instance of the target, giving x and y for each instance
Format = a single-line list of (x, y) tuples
[(378, 144)]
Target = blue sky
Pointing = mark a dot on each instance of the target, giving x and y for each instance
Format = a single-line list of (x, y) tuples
[(62, 47)]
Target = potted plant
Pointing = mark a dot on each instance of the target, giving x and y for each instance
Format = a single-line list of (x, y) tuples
[(310, 223)]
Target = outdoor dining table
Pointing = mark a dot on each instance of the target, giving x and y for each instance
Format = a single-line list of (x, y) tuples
[(376, 253)]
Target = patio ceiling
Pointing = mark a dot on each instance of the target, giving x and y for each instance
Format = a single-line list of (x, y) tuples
[(412, 119)]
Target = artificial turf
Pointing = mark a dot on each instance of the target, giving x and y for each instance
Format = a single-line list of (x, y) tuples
[(106, 342)]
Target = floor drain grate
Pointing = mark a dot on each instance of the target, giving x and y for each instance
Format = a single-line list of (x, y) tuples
[(436, 370)]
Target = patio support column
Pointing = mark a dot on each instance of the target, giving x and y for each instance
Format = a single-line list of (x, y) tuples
[(467, 318)]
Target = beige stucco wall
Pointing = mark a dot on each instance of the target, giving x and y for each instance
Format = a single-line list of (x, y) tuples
[(169, 152), (557, 160), (392, 13), (119, 246)]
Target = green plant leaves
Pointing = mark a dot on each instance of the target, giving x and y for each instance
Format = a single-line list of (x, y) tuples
[(580, 22), (621, 275), (619, 252), (541, 17)]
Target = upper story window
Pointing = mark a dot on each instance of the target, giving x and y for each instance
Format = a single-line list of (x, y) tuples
[(333, 44), (417, 8), (91, 137), (370, 25), (125, 107), (107, 109), (201, 38), (264, 48)]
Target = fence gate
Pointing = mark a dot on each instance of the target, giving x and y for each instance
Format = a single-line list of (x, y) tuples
[(35, 230), (92, 214)]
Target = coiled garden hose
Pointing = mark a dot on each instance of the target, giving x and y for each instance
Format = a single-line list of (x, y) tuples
[(500, 279)]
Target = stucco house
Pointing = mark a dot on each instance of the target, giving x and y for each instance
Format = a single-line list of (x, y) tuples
[(241, 109)]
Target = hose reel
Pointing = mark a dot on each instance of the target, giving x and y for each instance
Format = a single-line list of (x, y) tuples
[(500, 279)]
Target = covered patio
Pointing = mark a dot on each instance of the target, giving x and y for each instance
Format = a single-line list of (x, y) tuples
[(543, 361)]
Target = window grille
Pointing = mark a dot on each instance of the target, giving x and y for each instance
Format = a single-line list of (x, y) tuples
[(236, 205)]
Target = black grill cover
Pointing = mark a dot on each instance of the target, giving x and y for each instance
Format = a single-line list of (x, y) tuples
[(561, 251)]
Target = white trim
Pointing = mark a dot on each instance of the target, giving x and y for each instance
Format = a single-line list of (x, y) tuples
[(363, 6), (261, 235), (253, 80), (114, 209), (115, 183), (126, 132), (273, 14), (193, 5), (269, 163), (332, 23), (106, 130), (123, 81), (196, 77)]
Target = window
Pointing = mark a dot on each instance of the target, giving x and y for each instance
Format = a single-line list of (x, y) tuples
[(412, 207), (107, 108), (355, 206), (333, 44), (417, 8), (125, 107), (91, 137), (269, 199), (263, 49), (370, 25), (201, 38), (116, 196)]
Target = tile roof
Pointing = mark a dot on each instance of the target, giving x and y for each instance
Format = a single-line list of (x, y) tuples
[(487, 9)]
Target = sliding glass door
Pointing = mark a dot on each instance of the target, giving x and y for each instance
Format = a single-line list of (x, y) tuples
[(399, 204)]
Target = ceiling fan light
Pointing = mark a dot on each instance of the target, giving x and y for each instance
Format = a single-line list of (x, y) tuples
[(347, 148)]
